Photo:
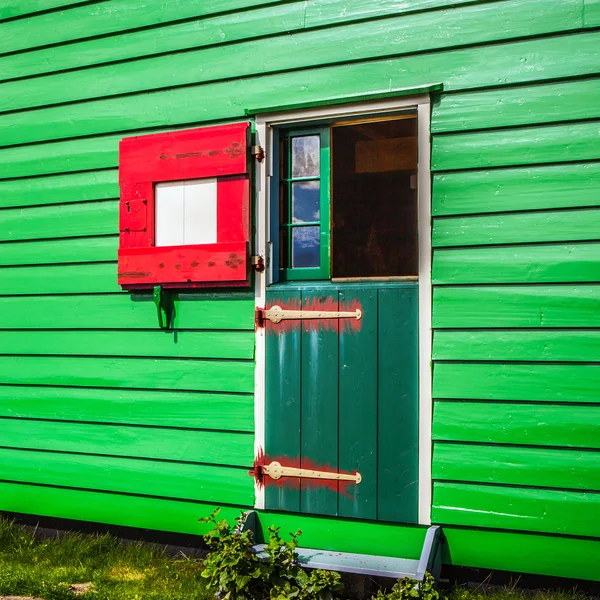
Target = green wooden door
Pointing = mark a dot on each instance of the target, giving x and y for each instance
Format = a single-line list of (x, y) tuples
[(342, 396)]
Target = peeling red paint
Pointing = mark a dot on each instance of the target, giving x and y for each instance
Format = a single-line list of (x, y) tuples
[(296, 483), (345, 324)]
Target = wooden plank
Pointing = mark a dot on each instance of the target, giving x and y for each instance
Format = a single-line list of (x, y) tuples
[(497, 64), (546, 511), (539, 467), (398, 404), (283, 398), (379, 539), (552, 263), (65, 220), (107, 17), (60, 157), (519, 228), (591, 15), (529, 188), (130, 476), (525, 105), (411, 33), (179, 344), (59, 279), (227, 412), (319, 412), (18, 8), (517, 306), (521, 345), (116, 509), (519, 552), (126, 311), (76, 250), (536, 424), (174, 374), (204, 32), (531, 382), (59, 189), (525, 146), (358, 403), (185, 445)]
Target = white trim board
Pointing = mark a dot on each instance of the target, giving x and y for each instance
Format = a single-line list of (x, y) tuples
[(264, 129)]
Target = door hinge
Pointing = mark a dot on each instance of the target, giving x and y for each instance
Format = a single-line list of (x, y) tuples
[(276, 314), (276, 470)]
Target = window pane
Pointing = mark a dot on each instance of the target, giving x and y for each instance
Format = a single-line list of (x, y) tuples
[(305, 156), (305, 246), (305, 201)]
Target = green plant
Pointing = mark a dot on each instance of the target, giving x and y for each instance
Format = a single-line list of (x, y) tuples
[(234, 572), (407, 589)]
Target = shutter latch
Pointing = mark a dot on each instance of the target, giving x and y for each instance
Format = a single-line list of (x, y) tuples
[(258, 153)]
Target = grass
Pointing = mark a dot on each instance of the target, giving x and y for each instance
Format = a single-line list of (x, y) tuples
[(45, 568)]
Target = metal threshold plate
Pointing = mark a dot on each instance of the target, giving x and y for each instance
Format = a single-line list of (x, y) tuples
[(363, 564)]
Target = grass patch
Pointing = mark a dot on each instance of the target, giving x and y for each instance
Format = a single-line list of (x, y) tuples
[(45, 568)]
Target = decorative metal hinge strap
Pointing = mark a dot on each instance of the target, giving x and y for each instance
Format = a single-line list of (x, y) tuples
[(276, 314), (276, 471)]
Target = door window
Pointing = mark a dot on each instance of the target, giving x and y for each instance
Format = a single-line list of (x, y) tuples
[(347, 200)]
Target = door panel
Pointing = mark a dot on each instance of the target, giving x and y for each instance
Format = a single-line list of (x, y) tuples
[(342, 396)]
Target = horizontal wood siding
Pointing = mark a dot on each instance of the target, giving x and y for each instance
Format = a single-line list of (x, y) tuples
[(164, 420)]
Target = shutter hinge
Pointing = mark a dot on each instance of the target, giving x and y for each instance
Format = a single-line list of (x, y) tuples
[(258, 153)]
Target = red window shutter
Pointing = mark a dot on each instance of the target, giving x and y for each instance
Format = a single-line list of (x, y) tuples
[(209, 152)]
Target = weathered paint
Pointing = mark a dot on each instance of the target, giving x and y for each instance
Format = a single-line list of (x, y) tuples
[(515, 304)]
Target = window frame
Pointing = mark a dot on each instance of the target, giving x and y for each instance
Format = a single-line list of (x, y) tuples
[(323, 271)]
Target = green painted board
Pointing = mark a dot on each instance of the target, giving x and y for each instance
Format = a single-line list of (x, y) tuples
[(523, 188), (343, 535), (532, 382), (283, 393), (517, 465), (73, 250), (106, 17), (319, 413), (17, 8), (116, 509), (65, 220), (397, 413), (184, 445), (529, 306), (404, 34), (126, 311), (519, 552), (209, 31), (523, 105), (573, 426), (59, 157), (59, 189), (591, 13), (158, 343), (518, 228), (225, 412), (524, 146), (517, 508), (552, 263), (128, 475), (521, 345), (497, 64), (175, 374), (60, 279), (357, 430)]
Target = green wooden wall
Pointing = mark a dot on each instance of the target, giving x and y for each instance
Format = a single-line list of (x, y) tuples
[(106, 419)]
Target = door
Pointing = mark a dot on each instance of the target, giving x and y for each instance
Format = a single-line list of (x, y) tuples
[(342, 393)]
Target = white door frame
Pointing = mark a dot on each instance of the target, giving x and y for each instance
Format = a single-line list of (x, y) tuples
[(264, 169)]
